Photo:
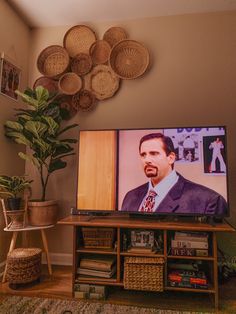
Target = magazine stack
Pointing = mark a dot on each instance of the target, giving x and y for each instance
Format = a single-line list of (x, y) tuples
[(97, 266), (190, 244)]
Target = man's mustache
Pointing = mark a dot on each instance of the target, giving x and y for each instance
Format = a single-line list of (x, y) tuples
[(150, 166)]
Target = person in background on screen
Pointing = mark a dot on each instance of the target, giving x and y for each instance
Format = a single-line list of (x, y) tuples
[(167, 191), (216, 147), (189, 148)]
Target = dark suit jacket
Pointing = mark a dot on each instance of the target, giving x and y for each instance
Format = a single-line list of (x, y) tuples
[(185, 197)]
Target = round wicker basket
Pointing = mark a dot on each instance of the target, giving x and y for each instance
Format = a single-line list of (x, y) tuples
[(129, 59), (84, 101), (114, 34), (81, 64), (48, 83), (102, 82), (79, 38), (100, 52), (53, 61), (70, 83)]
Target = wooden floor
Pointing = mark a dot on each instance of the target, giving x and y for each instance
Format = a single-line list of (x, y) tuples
[(59, 286)]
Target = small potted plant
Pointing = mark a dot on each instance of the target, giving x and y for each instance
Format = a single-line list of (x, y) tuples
[(13, 187), (38, 127)]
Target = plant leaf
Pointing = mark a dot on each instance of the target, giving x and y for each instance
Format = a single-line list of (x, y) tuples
[(29, 158), (36, 128), (56, 164), (14, 125)]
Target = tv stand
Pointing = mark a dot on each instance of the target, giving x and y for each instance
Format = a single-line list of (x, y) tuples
[(166, 229)]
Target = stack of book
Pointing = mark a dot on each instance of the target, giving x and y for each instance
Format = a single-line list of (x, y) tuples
[(97, 266), (188, 279), (190, 244)]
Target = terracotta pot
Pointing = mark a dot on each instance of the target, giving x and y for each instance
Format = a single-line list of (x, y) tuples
[(42, 213)]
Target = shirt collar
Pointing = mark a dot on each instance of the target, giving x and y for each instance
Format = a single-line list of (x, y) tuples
[(165, 183)]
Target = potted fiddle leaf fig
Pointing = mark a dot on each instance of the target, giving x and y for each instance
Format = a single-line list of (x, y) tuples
[(13, 188), (38, 128)]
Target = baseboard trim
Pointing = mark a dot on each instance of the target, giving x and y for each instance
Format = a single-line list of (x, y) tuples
[(59, 259)]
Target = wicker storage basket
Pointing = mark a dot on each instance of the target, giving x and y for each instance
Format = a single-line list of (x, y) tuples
[(143, 273), (23, 265), (84, 101), (53, 61), (98, 237)]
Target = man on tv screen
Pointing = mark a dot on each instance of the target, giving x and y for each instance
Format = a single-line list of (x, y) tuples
[(167, 191)]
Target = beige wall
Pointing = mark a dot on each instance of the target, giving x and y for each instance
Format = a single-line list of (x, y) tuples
[(14, 42), (191, 81)]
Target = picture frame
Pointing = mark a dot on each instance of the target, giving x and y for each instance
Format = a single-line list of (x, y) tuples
[(9, 78), (142, 239)]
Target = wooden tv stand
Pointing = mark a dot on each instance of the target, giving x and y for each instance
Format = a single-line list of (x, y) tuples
[(167, 229)]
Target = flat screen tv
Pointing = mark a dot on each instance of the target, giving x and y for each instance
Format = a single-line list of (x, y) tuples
[(176, 171)]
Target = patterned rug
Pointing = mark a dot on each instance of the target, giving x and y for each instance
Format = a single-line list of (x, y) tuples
[(27, 305)]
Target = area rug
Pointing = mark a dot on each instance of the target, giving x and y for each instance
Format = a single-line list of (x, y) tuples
[(27, 305)]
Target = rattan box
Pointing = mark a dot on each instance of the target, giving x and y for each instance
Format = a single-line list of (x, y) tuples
[(144, 273), (98, 237)]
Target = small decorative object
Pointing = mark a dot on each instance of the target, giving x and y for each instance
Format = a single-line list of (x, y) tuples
[(79, 39), (100, 52), (114, 34), (129, 59), (53, 61), (102, 82), (9, 78), (84, 100), (142, 238), (81, 64), (70, 83), (48, 83)]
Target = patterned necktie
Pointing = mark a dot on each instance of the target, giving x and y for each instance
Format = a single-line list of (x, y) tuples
[(149, 202)]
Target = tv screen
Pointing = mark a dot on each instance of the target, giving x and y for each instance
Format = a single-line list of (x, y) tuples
[(177, 171)]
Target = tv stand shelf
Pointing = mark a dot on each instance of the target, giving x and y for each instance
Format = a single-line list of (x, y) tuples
[(124, 224)]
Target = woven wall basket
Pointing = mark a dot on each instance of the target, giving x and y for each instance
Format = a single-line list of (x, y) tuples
[(129, 59), (48, 83), (79, 39), (70, 83), (100, 52), (53, 61), (81, 64), (114, 34), (102, 82), (84, 101)]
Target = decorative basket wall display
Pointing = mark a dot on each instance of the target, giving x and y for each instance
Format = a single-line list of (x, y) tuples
[(48, 83), (102, 82), (144, 273), (84, 101), (100, 52), (90, 68), (114, 34), (79, 39), (53, 61), (129, 59), (81, 64), (70, 83)]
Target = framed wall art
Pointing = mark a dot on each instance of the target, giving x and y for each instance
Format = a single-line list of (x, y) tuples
[(9, 78)]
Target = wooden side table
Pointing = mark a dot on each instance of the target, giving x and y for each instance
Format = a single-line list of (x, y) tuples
[(29, 228)]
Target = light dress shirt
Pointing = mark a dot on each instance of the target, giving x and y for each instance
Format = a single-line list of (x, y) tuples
[(162, 188)]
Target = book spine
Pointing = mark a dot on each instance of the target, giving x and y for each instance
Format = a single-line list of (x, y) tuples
[(189, 252), (189, 244)]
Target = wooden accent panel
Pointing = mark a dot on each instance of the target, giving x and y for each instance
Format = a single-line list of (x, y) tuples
[(97, 170)]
